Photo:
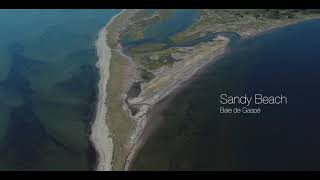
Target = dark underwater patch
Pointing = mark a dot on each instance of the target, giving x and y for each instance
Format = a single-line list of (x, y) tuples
[(25, 137)]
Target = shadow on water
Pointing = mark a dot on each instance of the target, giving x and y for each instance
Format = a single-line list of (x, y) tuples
[(80, 83), (133, 92), (25, 136)]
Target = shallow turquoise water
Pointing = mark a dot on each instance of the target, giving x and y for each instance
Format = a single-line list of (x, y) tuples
[(48, 85)]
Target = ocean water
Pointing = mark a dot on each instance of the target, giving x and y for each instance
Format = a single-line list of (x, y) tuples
[(194, 135), (160, 31), (48, 88), (177, 21)]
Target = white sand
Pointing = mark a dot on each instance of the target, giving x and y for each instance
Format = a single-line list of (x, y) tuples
[(100, 134)]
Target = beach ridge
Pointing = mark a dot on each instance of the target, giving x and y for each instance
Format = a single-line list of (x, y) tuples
[(165, 83), (100, 134)]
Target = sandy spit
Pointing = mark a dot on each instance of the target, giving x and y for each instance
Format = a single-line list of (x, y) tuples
[(142, 118), (100, 134)]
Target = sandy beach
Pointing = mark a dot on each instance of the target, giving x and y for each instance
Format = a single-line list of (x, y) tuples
[(182, 73), (146, 125), (116, 149), (100, 134)]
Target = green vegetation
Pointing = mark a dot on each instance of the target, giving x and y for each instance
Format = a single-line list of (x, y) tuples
[(135, 31), (152, 64), (151, 56), (140, 21), (118, 120), (147, 47), (146, 75), (134, 35), (177, 40), (157, 59), (279, 13), (245, 21)]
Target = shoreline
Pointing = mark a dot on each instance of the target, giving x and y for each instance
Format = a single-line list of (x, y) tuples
[(143, 132), (101, 132), (158, 107), (142, 118), (100, 136), (258, 34)]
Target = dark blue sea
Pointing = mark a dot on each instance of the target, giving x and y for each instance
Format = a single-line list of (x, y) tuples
[(194, 135)]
